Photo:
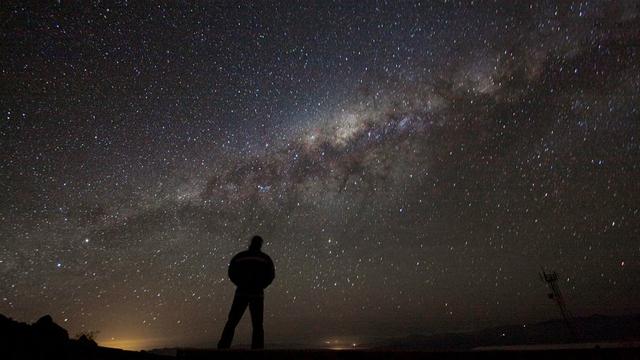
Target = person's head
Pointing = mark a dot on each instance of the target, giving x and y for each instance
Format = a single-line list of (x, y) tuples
[(256, 243)]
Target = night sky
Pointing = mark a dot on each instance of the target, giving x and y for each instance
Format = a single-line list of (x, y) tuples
[(411, 166)]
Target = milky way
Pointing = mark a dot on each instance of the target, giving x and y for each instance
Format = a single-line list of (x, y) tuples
[(411, 167)]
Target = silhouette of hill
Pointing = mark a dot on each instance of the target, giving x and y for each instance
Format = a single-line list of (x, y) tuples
[(45, 339), (592, 329)]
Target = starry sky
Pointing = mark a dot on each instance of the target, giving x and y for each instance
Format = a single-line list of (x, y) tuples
[(411, 166)]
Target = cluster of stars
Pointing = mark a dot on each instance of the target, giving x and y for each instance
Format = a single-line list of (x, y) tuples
[(410, 166)]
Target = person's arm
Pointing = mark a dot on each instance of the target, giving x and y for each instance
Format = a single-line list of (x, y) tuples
[(272, 272), (233, 271)]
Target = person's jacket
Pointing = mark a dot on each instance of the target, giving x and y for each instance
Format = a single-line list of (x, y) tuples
[(251, 271)]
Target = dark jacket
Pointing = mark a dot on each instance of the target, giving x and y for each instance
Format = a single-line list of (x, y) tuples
[(252, 271)]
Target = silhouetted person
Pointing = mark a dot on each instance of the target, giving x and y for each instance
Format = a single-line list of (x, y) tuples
[(251, 271)]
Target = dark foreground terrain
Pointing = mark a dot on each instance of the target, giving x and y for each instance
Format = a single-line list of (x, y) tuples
[(45, 339), (626, 353)]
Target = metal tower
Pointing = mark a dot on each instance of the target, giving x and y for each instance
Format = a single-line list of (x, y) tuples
[(552, 281)]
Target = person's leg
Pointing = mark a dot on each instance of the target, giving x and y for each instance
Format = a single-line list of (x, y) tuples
[(256, 307), (235, 314)]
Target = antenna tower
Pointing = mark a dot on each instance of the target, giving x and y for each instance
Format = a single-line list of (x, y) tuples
[(552, 281)]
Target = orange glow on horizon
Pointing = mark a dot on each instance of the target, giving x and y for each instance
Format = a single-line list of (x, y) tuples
[(134, 344)]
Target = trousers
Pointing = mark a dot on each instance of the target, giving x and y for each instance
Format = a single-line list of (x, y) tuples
[(256, 308)]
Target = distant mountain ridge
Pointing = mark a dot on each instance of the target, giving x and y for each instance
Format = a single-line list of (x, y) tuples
[(45, 339), (595, 328)]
